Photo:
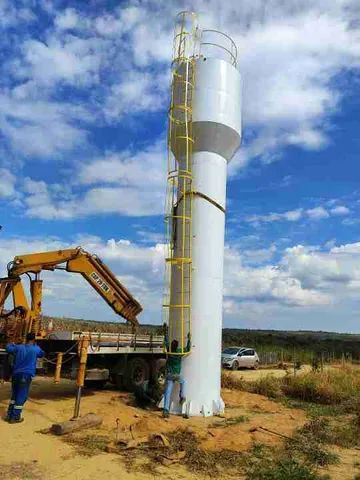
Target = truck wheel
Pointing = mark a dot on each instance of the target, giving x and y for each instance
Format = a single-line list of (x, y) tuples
[(159, 370), (137, 372), (95, 384), (235, 366)]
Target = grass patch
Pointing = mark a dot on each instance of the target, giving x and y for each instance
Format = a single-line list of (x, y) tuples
[(267, 385), (346, 431), (264, 464), (330, 387), (313, 410), (308, 444), (88, 445), (227, 422), (183, 443), (296, 461), (230, 382), (333, 387), (23, 470)]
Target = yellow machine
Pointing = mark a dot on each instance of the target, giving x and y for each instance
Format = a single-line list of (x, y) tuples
[(25, 318)]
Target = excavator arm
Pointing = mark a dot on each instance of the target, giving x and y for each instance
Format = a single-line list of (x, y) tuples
[(16, 323), (75, 260)]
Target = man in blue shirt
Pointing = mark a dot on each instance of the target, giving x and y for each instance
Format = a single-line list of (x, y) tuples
[(25, 357)]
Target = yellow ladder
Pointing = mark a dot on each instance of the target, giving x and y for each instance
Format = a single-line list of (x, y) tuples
[(178, 216)]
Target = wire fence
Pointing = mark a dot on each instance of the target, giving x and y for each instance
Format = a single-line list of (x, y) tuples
[(306, 357)]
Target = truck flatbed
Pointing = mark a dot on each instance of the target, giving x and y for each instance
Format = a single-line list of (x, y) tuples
[(110, 343)]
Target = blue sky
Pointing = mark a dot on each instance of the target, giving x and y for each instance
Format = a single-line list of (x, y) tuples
[(84, 93)]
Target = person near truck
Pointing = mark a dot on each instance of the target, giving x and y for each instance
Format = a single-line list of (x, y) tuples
[(173, 371), (24, 369), (148, 394)]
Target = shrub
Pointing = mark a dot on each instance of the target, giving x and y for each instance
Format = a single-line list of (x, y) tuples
[(262, 464), (330, 387), (268, 386), (308, 443), (230, 381), (339, 388)]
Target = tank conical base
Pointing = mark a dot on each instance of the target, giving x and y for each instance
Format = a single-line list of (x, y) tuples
[(193, 408)]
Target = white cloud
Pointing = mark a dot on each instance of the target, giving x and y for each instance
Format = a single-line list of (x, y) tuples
[(290, 216), (146, 167), (74, 61), (68, 19), (7, 183), (324, 283), (48, 202), (317, 213), (138, 92), (129, 184), (340, 210), (120, 200), (327, 270), (287, 69), (258, 256), (351, 222), (305, 279), (11, 15), (289, 94), (349, 248), (39, 128), (139, 268), (266, 284)]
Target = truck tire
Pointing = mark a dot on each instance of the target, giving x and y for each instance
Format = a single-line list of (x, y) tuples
[(137, 372), (159, 370), (95, 384)]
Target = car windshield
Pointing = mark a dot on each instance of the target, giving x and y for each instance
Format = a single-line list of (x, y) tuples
[(231, 351)]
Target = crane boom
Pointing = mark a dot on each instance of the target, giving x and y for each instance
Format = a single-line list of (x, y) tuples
[(75, 260)]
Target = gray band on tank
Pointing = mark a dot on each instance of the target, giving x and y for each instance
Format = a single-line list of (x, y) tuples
[(216, 138)]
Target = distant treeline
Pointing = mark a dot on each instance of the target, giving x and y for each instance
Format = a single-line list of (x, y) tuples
[(328, 343), (306, 343)]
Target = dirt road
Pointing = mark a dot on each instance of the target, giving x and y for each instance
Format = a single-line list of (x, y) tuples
[(251, 375)]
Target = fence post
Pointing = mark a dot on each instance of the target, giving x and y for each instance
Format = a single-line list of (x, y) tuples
[(294, 361)]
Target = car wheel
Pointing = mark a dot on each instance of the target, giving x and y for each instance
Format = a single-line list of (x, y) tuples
[(256, 366), (235, 366)]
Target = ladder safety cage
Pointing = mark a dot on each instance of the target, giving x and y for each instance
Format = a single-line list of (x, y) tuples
[(219, 45), (178, 208)]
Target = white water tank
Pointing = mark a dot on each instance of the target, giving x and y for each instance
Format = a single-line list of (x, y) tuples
[(216, 116)]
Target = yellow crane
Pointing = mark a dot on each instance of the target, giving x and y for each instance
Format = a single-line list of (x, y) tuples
[(25, 318)]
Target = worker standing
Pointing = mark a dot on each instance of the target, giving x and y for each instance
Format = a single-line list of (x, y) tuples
[(173, 371), (24, 370)]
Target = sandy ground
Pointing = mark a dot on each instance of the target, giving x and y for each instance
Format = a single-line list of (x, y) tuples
[(25, 453)]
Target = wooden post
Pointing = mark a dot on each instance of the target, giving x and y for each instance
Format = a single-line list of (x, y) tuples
[(89, 420), (59, 359)]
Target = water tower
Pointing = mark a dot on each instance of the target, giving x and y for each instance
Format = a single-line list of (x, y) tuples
[(204, 132)]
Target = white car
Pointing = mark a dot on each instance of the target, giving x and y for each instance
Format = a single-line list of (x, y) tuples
[(239, 357)]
